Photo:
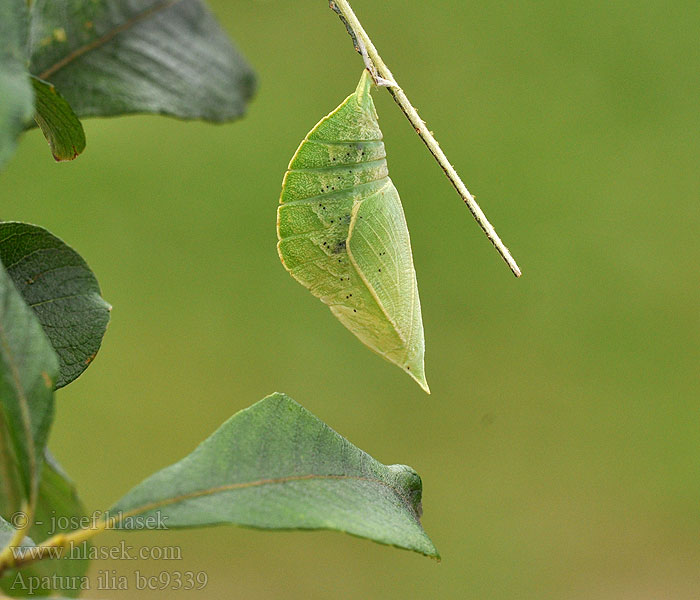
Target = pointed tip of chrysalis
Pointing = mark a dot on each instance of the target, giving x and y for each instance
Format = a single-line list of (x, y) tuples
[(418, 375), (364, 86), (424, 384)]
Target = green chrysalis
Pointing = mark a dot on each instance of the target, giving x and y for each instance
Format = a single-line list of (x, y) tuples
[(342, 233)]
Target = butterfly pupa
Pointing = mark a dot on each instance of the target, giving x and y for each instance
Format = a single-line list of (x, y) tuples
[(342, 233)]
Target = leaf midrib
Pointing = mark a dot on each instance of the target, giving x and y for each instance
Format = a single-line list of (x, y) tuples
[(260, 482), (101, 41)]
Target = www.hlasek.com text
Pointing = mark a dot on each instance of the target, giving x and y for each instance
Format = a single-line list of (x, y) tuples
[(121, 551)]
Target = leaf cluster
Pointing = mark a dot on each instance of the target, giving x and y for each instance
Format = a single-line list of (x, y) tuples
[(271, 466), (62, 60)]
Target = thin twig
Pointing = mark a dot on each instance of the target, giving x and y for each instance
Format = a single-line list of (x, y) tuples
[(383, 76)]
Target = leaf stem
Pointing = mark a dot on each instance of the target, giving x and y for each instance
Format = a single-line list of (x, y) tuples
[(7, 557), (383, 76), (8, 560)]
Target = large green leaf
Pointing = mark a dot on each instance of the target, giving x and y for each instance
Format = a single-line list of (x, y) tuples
[(58, 506), (28, 369), (110, 57), (342, 233), (16, 100), (276, 466), (61, 289), (59, 124)]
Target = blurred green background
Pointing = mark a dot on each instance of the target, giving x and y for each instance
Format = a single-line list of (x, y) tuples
[(560, 449)]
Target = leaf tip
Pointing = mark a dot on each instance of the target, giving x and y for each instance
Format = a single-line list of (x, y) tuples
[(278, 398)]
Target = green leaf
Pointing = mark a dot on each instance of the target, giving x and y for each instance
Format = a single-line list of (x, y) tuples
[(11, 497), (342, 233), (58, 505), (16, 100), (7, 579), (28, 368), (276, 466), (111, 57), (59, 286), (61, 128), (58, 499), (7, 532)]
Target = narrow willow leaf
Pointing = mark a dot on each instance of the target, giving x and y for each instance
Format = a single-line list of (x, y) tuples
[(61, 289), (61, 128), (28, 368), (57, 504), (16, 100), (276, 466), (342, 233), (111, 57)]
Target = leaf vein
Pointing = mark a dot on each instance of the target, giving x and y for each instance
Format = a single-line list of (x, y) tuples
[(260, 482), (101, 41)]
